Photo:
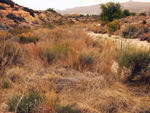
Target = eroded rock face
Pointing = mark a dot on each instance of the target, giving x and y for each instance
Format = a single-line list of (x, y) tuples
[(15, 15)]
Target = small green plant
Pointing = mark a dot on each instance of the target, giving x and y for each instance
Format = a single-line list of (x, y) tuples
[(5, 85), (86, 59), (113, 26), (27, 104), (135, 59), (129, 31), (60, 21), (58, 51), (50, 26), (24, 40)]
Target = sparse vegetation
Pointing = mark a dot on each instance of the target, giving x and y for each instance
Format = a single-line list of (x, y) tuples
[(135, 60), (143, 14), (27, 103), (60, 21), (113, 26), (56, 64), (28, 37), (132, 14), (129, 31)]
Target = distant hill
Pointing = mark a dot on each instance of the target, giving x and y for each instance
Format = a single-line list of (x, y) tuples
[(13, 15), (95, 9)]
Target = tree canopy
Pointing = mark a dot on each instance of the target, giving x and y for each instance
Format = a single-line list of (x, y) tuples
[(110, 11)]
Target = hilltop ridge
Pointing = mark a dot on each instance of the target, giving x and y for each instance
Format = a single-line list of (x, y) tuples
[(12, 14), (95, 9)]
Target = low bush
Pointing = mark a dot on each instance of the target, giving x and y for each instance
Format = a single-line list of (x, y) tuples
[(126, 12), (27, 104), (9, 54), (51, 26), (132, 14), (58, 51), (5, 35), (143, 14), (129, 31), (85, 59), (60, 21), (5, 85), (135, 59), (113, 26), (28, 38)]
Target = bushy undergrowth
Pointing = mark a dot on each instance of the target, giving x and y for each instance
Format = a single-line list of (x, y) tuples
[(58, 51), (135, 59), (113, 26), (129, 31), (28, 38), (27, 104), (143, 14)]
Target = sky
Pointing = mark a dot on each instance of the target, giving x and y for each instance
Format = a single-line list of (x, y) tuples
[(63, 4)]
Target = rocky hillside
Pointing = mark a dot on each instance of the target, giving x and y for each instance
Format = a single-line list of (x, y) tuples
[(95, 9), (14, 15)]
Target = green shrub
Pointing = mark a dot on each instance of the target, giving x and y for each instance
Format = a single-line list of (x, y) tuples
[(51, 10), (126, 12), (5, 85), (65, 109), (143, 14), (27, 104), (50, 26), (129, 31), (86, 59), (132, 14), (60, 21), (25, 40), (113, 26), (58, 51), (135, 59)]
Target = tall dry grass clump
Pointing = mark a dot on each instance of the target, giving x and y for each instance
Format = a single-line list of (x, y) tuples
[(74, 48), (67, 71)]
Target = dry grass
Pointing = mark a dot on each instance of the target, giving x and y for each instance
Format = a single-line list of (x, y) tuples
[(79, 73), (102, 95)]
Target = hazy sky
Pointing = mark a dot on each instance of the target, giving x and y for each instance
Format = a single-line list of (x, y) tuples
[(63, 4)]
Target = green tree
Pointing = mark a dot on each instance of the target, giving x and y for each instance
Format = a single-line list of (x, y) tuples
[(126, 12), (110, 11)]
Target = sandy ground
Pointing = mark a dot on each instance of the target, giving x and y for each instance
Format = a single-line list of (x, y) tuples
[(121, 41)]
